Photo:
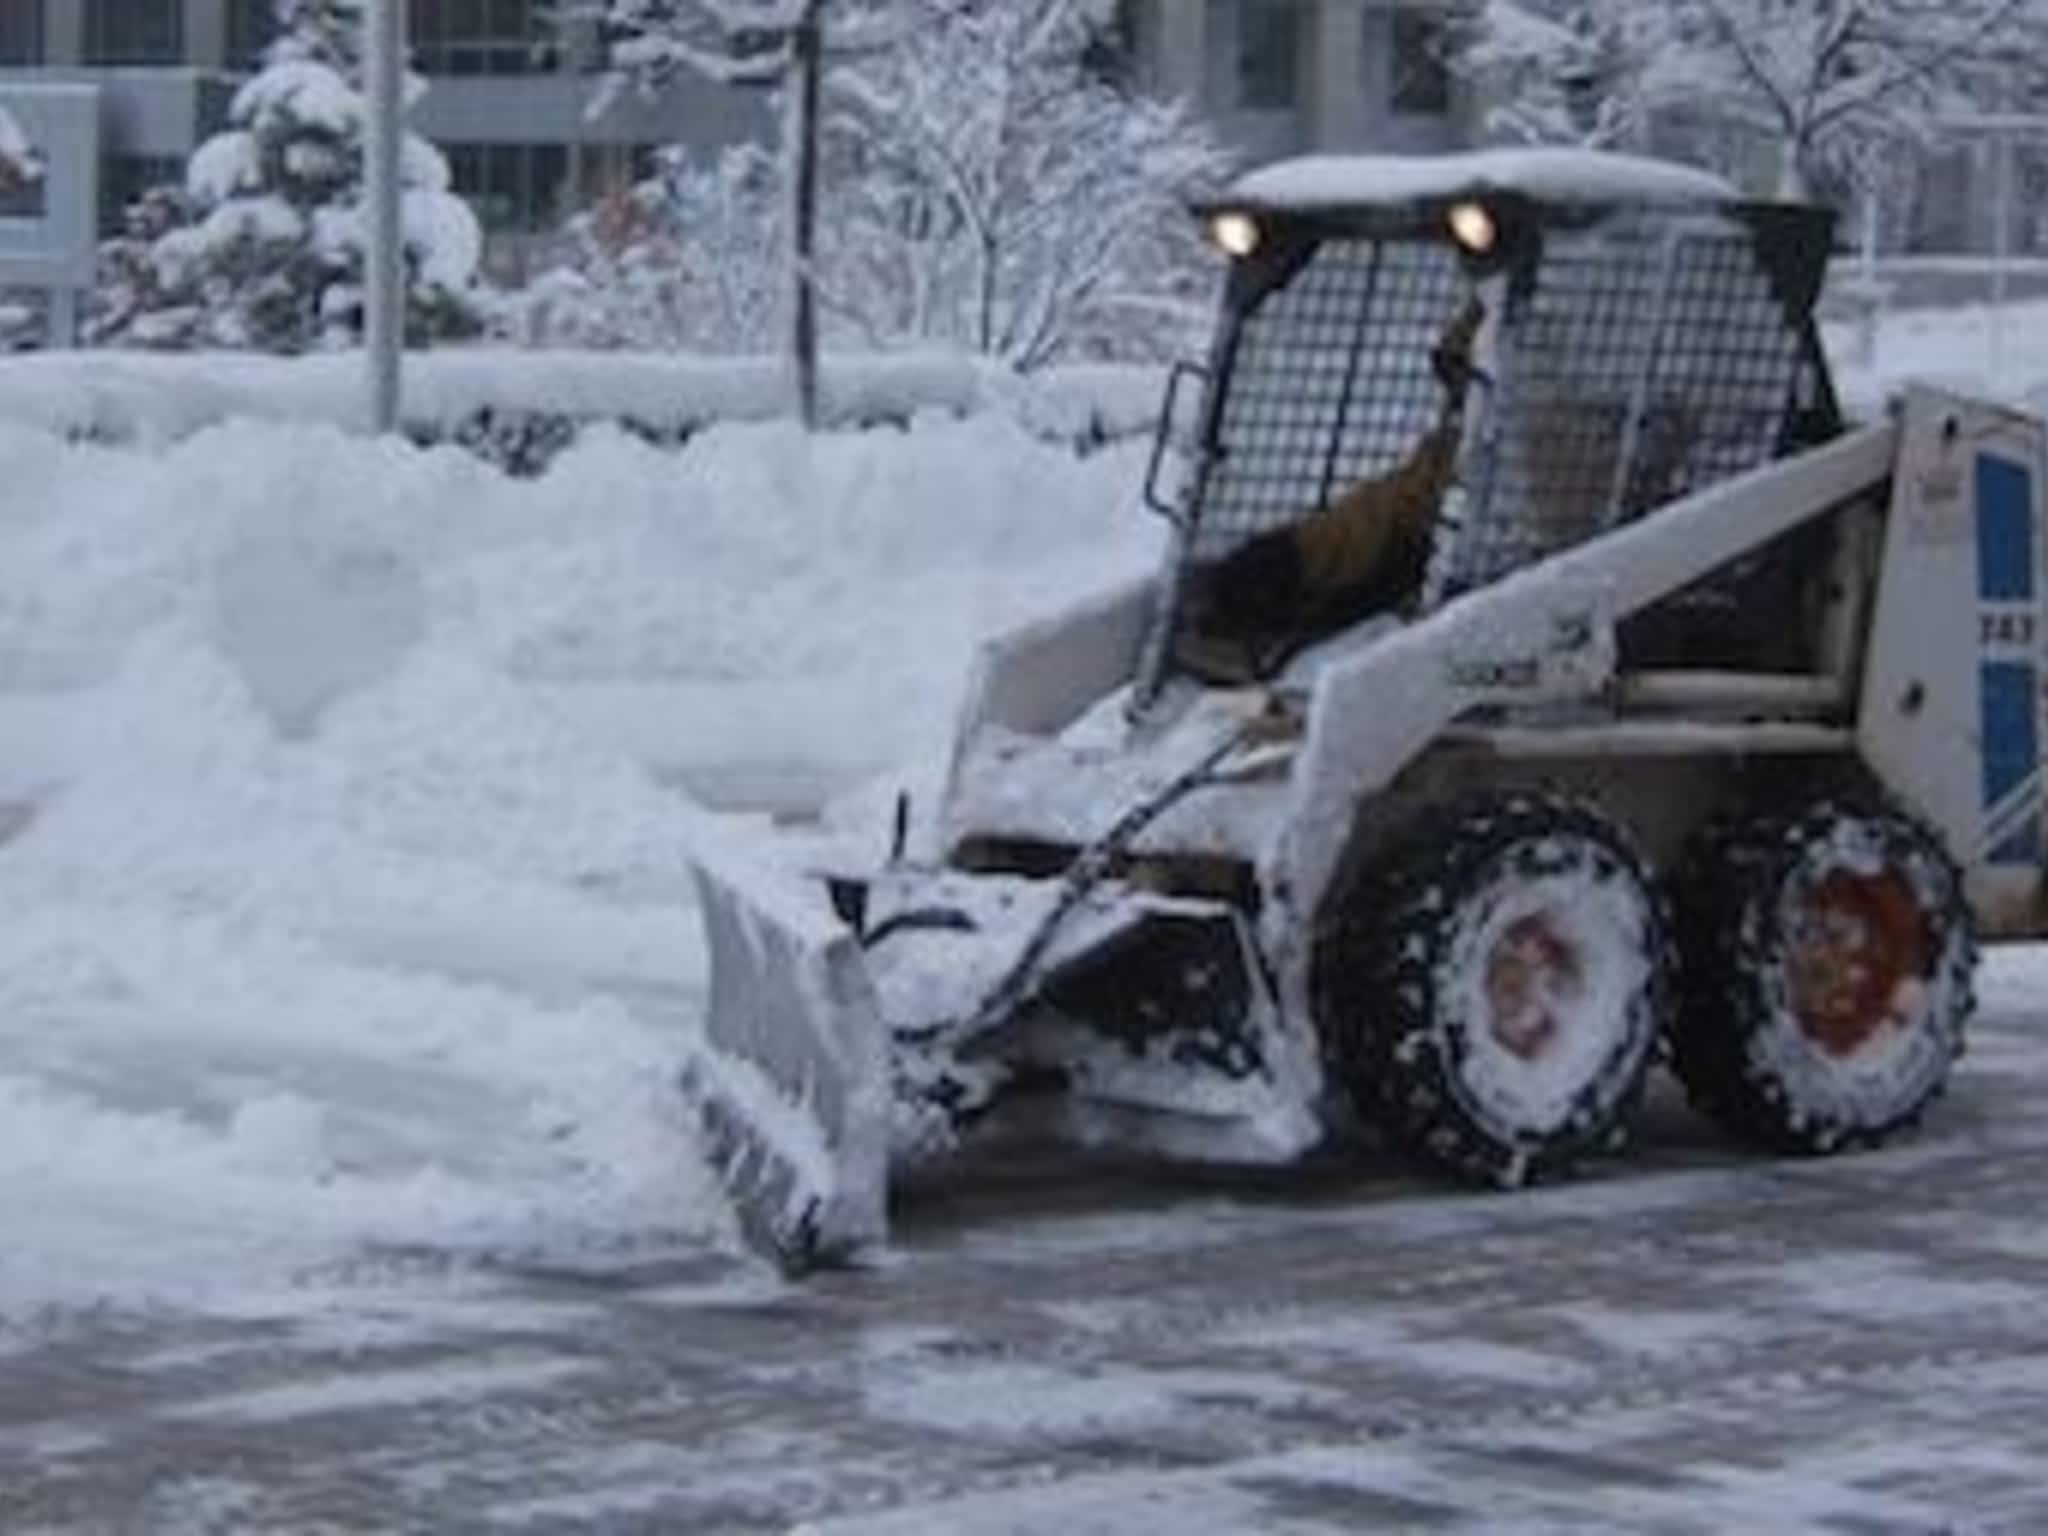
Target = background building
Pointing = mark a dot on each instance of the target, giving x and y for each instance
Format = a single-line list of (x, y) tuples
[(508, 100), (510, 95), (1283, 76)]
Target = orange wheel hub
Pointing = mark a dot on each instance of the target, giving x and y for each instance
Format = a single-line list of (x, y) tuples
[(1531, 969), (1857, 940)]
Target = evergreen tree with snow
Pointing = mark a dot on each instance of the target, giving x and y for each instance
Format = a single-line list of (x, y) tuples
[(326, 32), (265, 248)]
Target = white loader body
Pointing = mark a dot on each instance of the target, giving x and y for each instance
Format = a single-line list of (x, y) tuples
[(1112, 852)]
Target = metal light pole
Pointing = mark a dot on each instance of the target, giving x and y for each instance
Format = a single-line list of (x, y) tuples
[(808, 50), (383, 255)]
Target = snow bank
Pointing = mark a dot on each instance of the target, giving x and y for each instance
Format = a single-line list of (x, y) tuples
[(521, 407), (343, 894), (1950, 348)]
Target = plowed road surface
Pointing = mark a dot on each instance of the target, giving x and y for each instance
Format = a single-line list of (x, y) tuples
[(1691, 1341)]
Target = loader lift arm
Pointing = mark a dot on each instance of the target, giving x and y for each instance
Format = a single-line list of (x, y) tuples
[(1399, 685)]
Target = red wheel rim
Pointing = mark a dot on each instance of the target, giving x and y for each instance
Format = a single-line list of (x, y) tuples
[(1531, 968), (1856, 941)]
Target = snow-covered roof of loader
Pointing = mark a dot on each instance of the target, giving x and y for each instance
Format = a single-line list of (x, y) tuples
[(1547, 175)]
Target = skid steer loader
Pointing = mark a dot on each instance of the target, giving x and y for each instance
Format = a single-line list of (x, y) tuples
[(1546, 681)]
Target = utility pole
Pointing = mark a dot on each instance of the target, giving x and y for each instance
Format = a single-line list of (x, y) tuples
[(384, 256), (808, 58)]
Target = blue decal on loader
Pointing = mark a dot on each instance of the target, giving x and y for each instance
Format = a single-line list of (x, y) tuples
[(2011, 752), (2005, 530)]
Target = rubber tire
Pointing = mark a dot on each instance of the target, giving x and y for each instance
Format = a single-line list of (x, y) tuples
[(1384, 985), (1744, 1061)]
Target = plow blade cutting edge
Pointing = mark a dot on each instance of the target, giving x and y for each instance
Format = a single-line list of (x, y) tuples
[(790, 1079)]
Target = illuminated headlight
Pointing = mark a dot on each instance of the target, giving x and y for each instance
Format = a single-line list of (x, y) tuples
[(1237, 234), (1473, 227)]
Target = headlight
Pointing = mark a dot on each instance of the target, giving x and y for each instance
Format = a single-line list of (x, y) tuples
[(1237, 234), (1473, 227)]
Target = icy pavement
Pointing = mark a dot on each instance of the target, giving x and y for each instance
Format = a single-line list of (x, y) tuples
[(1693, 1341)]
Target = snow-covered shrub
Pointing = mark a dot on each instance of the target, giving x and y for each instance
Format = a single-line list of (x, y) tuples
[(264, 246)]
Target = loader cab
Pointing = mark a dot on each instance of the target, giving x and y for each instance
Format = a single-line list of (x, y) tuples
[(1430, 372)]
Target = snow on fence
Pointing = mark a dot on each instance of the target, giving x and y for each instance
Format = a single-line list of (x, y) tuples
[(518, 409)]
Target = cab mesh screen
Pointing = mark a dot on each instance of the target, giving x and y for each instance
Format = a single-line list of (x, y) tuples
[(1330, 383), (1649, 362)]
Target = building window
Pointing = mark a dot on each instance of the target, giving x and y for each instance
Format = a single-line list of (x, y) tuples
[(1268, 55), (1420, 68), (512, 188), (21, 31), (251, 26), (483, 37), (134, 31), (20, 199)]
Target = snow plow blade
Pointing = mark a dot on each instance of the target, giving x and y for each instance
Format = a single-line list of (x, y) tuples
[(790, 1080)]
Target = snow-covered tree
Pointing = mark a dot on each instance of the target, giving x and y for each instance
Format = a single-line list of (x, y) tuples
[(1823, 78), (1003, 197), (131, 303), (981, 187), (1564, 71), (750, 41), (326, 32), (266, 248), (1828, 85), (688, 259)]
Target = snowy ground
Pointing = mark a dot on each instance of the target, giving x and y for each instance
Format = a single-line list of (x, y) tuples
[(345, 792), (1695, 1343), (347, 800)]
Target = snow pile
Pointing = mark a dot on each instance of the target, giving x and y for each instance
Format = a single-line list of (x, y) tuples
[(342, 900), (158, 398), (1975, 349)]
